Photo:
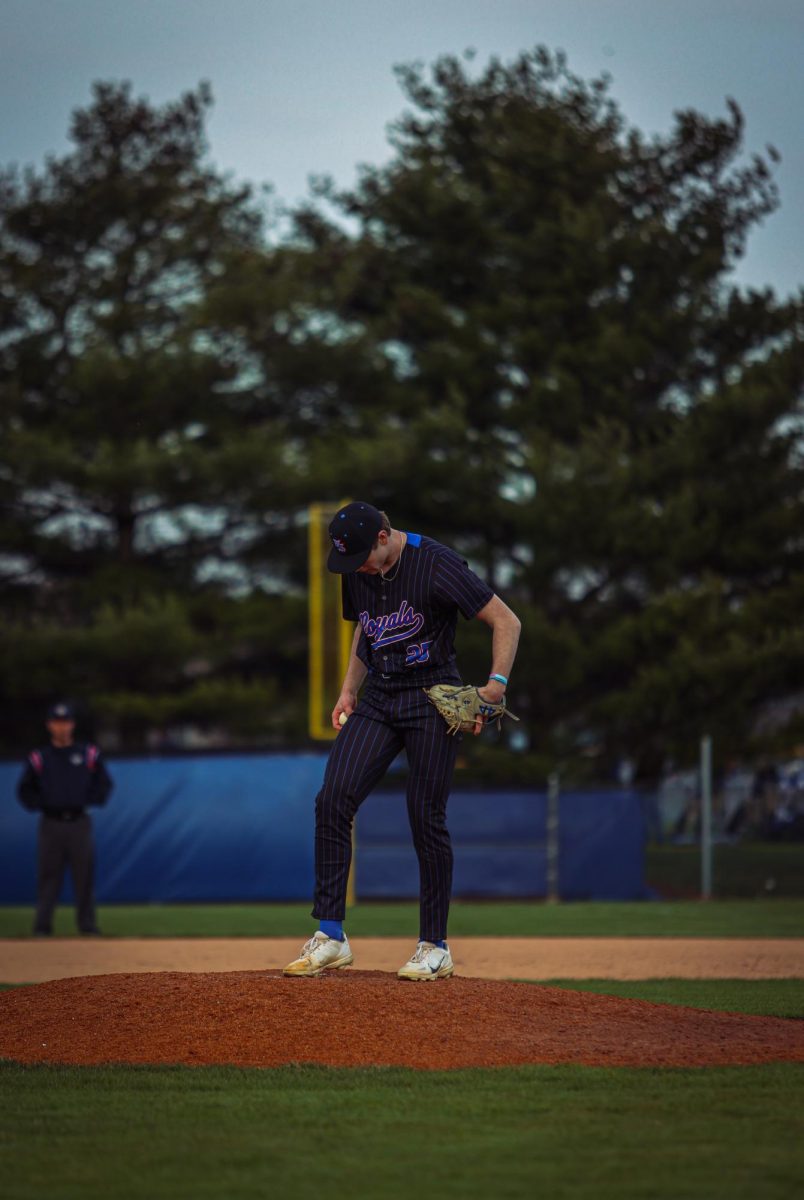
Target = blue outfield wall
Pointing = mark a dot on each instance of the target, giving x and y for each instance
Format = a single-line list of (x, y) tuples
[(240, 827), (500, 845)]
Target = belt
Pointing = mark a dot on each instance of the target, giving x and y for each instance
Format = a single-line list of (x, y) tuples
[(447, 674), (64, 814)]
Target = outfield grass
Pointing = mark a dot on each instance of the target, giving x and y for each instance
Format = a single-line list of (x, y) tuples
[(763, 997), (602, 1134), (715, 918)]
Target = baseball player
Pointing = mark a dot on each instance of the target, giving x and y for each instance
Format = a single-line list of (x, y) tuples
[(404, 591)]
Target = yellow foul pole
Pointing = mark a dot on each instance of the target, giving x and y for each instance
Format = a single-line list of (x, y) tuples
[(330, 638)]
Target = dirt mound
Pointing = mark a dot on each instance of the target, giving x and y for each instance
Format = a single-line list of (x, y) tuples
[(361, 1018)]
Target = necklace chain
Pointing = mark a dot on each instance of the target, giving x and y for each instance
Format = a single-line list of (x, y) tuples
[(391, 578)]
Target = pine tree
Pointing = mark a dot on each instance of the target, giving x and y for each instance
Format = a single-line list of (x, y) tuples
[(137, 464), (568, 387)]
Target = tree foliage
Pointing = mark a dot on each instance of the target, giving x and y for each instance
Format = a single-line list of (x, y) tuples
[(520, 335), (132, 453), (579, 397)]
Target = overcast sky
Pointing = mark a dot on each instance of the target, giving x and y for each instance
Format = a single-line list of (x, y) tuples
[(307, 86)]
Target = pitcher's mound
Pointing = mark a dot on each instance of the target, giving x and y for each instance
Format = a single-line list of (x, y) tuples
[(369, 1018)]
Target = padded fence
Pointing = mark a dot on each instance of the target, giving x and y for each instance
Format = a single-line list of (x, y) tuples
[(240, 828), (500, 844)]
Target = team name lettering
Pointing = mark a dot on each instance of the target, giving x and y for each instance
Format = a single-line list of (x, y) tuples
[(393, 627)]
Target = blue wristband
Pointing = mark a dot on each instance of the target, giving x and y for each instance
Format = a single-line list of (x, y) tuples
[(500, 679)]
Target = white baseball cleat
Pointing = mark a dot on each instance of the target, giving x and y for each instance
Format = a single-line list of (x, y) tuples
[(320, 954), (428, 962)]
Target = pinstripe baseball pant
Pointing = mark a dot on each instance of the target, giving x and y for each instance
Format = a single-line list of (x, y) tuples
[(388, 718)]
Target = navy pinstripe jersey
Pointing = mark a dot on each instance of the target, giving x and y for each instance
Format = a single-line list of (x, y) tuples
[(410, 621)]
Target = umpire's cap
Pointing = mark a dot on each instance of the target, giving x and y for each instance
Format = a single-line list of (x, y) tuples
[(353, 531), (61, 712)]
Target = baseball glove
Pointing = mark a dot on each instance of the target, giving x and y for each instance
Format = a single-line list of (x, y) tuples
[(462, 706)]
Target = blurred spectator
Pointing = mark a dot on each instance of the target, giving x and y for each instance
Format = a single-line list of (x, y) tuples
[(785, 820), (60, 781), (626, 770), (766, 803), (678, 803), (739, 784), (764, 795)]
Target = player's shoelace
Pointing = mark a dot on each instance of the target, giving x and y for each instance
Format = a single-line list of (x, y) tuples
[(422, 950)]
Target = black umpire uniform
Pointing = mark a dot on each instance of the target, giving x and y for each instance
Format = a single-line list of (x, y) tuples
[(61, 781)]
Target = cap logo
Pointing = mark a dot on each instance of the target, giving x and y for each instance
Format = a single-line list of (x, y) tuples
[(339, 544)]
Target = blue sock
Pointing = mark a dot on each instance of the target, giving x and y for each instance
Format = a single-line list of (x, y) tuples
[(441, 945), (333, 929)]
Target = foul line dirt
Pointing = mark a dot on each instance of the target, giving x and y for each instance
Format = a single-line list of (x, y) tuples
[(38, 960)]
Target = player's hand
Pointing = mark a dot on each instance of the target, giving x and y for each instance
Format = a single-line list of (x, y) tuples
[(346, 706), (493, 692)]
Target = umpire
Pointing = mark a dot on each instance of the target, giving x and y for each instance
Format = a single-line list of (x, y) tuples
[(61, 781)]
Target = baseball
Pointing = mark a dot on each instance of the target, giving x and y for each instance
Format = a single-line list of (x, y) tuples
[(342, 719)]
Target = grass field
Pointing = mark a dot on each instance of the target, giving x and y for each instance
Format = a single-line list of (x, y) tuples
[(714, 918), (120, 1134), (763, 997)]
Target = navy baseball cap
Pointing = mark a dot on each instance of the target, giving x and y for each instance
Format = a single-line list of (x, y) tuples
[(61, 712), (353, 531)]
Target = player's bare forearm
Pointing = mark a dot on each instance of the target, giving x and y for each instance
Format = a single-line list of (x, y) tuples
[(504, 643), (356, 672), (505, 626)]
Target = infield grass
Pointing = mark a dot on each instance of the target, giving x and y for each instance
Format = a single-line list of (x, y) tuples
[(690, 918), (602, 1134), (762, 997)]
